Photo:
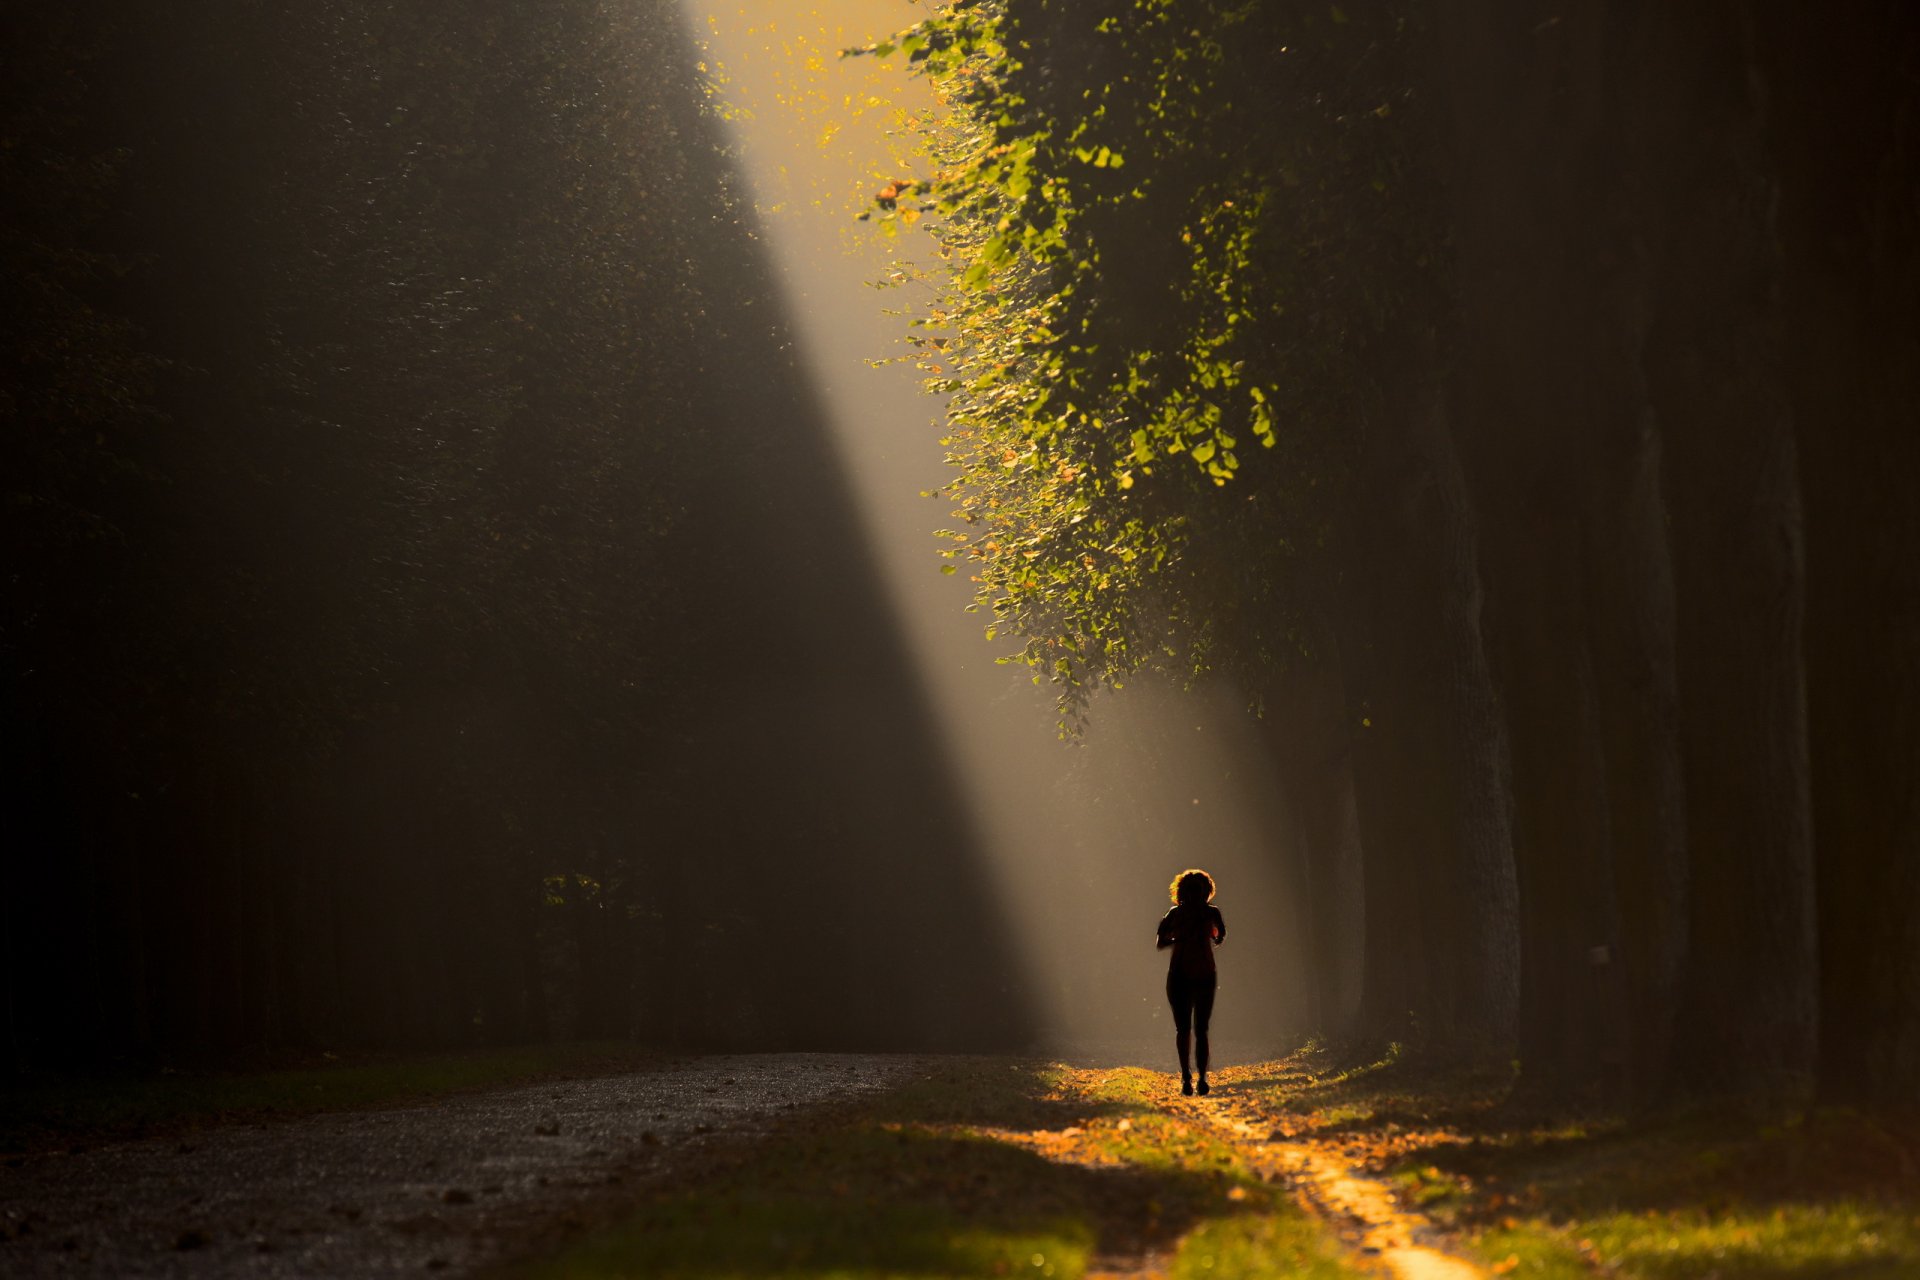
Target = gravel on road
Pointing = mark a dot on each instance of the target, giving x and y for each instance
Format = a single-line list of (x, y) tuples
[(439, 1189)]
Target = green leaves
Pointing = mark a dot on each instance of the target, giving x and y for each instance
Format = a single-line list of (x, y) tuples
[(1098, 157), (1114, 342)]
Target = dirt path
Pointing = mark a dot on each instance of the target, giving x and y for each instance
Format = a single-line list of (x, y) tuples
[(441, 1189), (453, 1187), (1362, 1208)]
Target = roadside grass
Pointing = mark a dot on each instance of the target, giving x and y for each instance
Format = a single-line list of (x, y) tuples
[(1281, 1243), (81, 1111), (1674, 1196), (981, 1168), (1827, 1194)]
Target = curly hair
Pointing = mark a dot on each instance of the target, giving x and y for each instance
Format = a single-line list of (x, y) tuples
[(1187, 885)]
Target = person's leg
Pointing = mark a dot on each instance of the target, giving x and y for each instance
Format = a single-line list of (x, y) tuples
[(1203, 990), (1180, 996)]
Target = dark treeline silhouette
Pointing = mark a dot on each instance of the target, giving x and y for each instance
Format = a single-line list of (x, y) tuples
[(1578, 588), (433, 616)]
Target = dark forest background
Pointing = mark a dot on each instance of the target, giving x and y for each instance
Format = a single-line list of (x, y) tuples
[(417, 630), (432, 615), (1517, 404)]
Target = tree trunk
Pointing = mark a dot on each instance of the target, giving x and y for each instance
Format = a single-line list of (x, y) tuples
[(1306, 723), (1474, 743), (1557, 290), (1850, 230), (1715, 360), (1639, 736), (1570, 1011), (1393, 989), (1430, 761)]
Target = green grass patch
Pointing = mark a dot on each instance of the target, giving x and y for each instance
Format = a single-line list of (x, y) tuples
[(1429, 1187), (984, 1168), (1254, 1247), (1129, 1089), (38, 1115), (1533, 1253), (1136, 1132), (993, 1093), (1799, 1242), (1678, 1196), (858, 1202), (1828, 1195), (1347, 1115), (1714, 1232)]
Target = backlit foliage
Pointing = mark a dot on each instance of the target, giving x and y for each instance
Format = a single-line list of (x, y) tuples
[(1150, 328)]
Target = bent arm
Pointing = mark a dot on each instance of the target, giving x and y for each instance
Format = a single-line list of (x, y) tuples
[(1219, 927), (1163, 936)]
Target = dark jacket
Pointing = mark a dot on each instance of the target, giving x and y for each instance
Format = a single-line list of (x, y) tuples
[(1193, 930)]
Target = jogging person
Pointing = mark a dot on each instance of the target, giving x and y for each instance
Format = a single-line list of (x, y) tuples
[(1193, 928)]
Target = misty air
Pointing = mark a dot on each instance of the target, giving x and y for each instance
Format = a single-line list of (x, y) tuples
[(841, 639)]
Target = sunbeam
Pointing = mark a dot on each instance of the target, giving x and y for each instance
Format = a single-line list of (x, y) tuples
[(615, 619), (1080, 839)]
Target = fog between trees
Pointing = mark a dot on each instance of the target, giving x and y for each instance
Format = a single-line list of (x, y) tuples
[(1518, 409), (437, 619), (422, 554)]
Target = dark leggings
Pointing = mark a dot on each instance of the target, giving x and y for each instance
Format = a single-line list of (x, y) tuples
[(1192, 1001)]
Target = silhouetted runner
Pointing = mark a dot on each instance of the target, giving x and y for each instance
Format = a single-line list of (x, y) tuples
[(1193, 929)]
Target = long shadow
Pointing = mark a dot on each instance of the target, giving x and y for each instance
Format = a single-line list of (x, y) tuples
[(947, 1206), (958, 1096), (1802, 1177), (1828, 1197), (1704, 1163), (912, 1187)]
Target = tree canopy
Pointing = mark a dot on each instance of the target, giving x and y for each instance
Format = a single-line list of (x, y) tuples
[(1408, 365)]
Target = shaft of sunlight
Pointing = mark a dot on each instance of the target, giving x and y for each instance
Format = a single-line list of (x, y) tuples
[(1080, 841)]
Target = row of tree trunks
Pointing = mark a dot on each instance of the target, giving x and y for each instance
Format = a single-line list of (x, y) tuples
[(1715, 359), (459, 511), (1521, 96), (1632, 465), (1849, 225), (1428, 747), (1626, 583), (1639, 741)]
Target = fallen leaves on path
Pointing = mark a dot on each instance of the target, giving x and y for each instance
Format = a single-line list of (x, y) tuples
[(1334, 1171), (1337, 1174)]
